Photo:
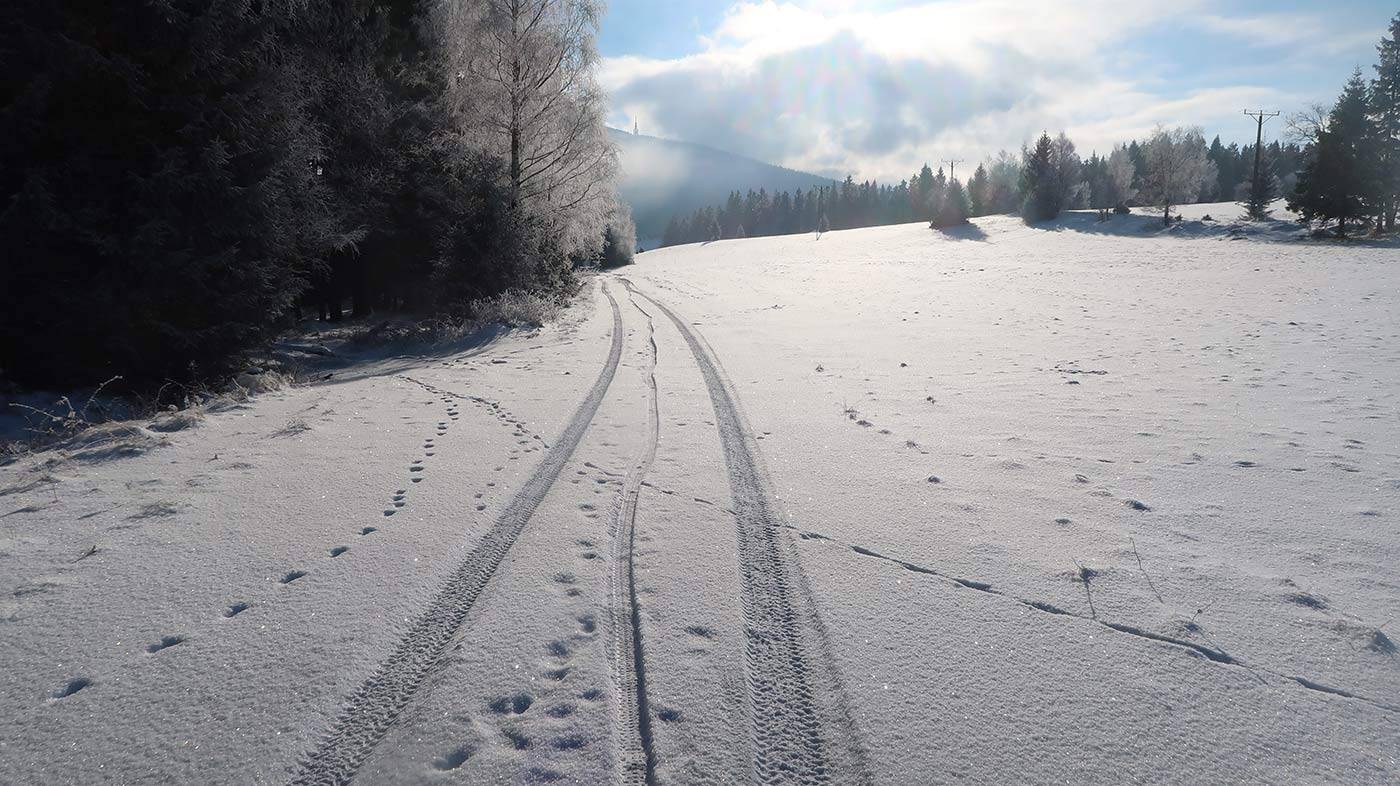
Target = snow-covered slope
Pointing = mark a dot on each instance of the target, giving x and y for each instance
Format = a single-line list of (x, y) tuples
[(1006, 504)]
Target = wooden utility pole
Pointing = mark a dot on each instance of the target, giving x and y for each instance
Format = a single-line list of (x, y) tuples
[(952, 167), (1260, 116)]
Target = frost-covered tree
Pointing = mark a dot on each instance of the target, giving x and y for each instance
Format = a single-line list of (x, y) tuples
[(524, 89), (619, 239), (1176, 166), (1122, 174), (1003, 183), (1066, 167)]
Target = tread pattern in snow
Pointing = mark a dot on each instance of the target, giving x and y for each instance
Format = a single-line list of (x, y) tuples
[(636, 762), (785, 717), (372, 708)]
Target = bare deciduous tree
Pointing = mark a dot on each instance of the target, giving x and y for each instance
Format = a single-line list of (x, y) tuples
[(1303, 127)]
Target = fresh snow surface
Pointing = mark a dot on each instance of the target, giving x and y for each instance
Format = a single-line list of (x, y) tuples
[(1101, 502)]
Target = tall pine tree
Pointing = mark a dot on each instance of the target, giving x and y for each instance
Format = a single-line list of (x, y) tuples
[(1038, 182), (953, 209), (1337, 182), (978, 191), (1385, 117)]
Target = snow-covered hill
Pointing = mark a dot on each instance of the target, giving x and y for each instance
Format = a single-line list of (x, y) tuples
[(1090, 501), (662, 178)]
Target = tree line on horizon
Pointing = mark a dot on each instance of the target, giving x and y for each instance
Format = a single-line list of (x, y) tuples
[(180, 178), (999, 185), (1343, 164)]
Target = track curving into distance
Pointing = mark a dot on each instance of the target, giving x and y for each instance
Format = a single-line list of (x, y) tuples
[(374, 706), (786, 717), (636, 761)]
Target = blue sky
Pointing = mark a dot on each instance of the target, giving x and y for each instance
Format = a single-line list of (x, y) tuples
[(875, 88)]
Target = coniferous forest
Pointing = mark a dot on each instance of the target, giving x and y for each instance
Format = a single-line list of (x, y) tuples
[(182, 179), (999, 185), (1339, 169)]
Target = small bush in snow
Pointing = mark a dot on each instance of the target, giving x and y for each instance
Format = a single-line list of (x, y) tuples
[(177, 420), (516, 308), (255, 381)]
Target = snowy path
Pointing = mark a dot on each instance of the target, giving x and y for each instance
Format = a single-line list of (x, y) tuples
[(888, 507), (378, 702), (797, 728), (790, 743)]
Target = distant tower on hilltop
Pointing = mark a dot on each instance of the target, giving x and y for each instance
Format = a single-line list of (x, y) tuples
[(635, 132)]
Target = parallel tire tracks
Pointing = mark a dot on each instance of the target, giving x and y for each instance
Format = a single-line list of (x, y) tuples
[(785, 715), (636, 761), (373, 707)]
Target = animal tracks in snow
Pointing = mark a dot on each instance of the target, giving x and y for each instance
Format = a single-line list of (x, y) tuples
[(417, 469), (372, 708), (1211, 653)]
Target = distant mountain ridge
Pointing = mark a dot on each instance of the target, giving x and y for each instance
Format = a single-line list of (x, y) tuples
[(662, 178)]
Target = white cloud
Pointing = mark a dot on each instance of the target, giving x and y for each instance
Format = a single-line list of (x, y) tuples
[(1306, 33), (875, 89)]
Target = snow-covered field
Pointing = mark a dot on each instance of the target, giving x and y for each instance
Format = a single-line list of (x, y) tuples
[(1091, 502)]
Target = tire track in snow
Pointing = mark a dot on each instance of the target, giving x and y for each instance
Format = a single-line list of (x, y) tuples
[(636, 760), (373, 707), (789, 742)]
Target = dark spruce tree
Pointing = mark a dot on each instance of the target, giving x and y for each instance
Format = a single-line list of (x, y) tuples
[(978, 192), (1385, 116), (1038, 182), (1337, 181), (342, 44), (954, 209), (1263, 190), (161, 206)]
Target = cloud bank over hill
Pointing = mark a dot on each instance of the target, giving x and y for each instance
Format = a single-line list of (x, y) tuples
[(662, 178), (875, 89)]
